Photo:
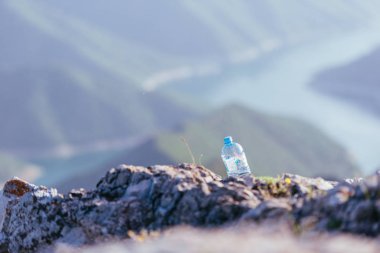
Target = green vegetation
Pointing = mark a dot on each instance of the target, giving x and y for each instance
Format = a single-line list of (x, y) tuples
[(84, 56), (82, 91), (78, 81), (269, 180), (56, 107), (273, 145)]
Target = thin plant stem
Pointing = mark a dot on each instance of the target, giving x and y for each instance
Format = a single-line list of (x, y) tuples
[(183, 139)]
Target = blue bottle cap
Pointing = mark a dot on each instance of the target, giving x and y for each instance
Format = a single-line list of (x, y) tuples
[(228, 140)]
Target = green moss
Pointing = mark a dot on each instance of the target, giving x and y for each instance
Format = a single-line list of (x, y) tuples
[(269, 180)]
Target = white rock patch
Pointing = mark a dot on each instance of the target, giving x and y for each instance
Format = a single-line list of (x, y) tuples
[(3, 206)]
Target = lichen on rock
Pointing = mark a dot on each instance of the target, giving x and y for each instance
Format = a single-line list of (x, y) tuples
[(16, 188)]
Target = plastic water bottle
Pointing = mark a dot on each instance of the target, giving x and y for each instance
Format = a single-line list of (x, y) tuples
[(234, 159)]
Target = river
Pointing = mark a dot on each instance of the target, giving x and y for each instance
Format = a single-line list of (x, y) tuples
[(280, 84)]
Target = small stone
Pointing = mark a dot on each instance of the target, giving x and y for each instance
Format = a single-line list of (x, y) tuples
[(16, 187), (77, 193)]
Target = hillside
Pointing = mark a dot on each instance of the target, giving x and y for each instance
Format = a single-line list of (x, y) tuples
[(356, 82), (152, 53), (56, 108), (221, 27), (103, 58), (51, 93), (79, 77), (118, 39), (272, 144)]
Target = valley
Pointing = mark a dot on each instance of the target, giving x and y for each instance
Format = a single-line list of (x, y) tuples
[(280, 83), (93, 82)]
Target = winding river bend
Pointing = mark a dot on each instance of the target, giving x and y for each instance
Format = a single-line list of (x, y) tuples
[(280, 84)]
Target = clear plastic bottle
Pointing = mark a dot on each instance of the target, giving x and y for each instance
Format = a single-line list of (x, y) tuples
[(234, 159)]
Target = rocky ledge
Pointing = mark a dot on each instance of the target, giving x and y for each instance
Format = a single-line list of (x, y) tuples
[(130, 200)]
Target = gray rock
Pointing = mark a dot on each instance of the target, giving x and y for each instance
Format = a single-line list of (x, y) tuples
[(348, 207), (136, 199)]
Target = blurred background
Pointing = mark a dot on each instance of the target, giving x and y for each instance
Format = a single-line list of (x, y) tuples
[(87, 85)]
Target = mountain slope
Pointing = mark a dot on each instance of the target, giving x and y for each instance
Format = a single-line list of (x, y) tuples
[(54, 107), (357, 82), (272, 144), (101, 56), (117, 38), (219, 26), (55, 97), (98, 58)]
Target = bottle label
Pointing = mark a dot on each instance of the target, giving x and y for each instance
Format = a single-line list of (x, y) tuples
[(230, 165), (237, 165), (242, 166)]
